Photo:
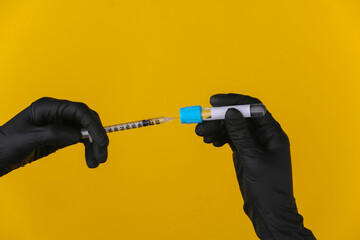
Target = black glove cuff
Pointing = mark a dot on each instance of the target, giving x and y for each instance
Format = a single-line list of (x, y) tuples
[(284, 222)]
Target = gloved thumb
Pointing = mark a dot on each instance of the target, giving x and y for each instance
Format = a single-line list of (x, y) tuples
[(239, 132)]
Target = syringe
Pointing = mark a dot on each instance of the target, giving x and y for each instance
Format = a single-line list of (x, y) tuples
[(130, 125)]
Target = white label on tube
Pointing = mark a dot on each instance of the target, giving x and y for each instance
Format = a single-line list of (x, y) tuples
[(218, 113)]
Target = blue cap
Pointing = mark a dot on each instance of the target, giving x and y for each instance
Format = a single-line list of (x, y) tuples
[(191, 114)]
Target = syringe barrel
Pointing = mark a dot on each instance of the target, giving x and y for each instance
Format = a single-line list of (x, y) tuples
[(196, 114), (130, 125)]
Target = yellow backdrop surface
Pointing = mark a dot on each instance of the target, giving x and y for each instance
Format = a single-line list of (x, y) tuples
[(131, 60)]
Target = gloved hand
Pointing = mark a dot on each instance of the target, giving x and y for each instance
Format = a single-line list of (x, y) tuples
[(47, 125), (261, 154)]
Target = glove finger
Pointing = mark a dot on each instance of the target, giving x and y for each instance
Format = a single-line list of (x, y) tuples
[(208, 128), (96, 115), (100, 153), (269, 132), (209, 139), (89, 155), (239, 133), (219, 100), (219, 137), (219, 142), (59, 135)]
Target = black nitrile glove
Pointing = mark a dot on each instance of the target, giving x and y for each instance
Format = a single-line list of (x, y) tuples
[(261, 154), (47, 125)]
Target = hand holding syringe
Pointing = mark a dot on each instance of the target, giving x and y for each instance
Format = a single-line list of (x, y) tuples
[(193, 114)]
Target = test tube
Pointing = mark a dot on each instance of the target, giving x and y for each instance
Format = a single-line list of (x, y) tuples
[(197, 114)]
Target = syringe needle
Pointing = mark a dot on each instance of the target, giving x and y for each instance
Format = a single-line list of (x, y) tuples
[(167, 119), (130, 125)]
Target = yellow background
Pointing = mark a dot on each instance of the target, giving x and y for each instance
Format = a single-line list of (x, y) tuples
[(131, 60)]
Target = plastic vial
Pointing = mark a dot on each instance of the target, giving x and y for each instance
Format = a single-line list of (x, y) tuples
[(197, 114)]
